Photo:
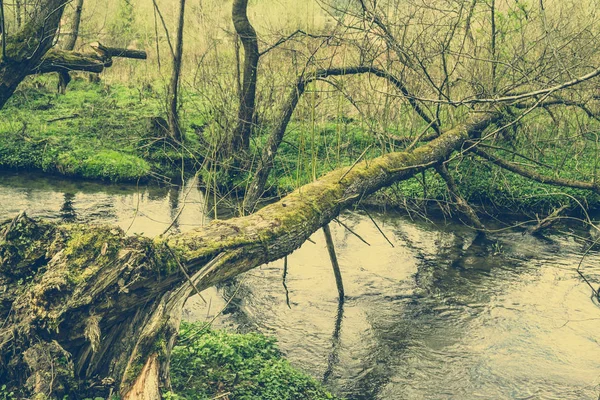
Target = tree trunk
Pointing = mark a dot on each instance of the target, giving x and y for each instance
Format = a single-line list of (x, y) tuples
[(97, 312), (26, 48), (19, 21), (174, 126), (247, 34), (72, 40), (3, 28), (63, 77)]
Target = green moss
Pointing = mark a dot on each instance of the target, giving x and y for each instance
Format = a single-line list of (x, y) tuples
[(87, 250), (23, 247), (94, 131)]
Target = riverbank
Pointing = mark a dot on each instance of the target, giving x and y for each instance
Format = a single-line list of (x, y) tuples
[(98, 131), (116, 134)]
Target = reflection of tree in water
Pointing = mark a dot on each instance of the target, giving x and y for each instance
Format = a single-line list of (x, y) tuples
[(333, 359), (448, 280), (67, 210), (454, 271), (174, 208)]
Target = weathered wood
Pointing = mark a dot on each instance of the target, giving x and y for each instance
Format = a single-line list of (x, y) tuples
[(114, 303), (58, 60)]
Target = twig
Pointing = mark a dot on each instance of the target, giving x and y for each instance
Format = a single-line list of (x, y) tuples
[(355, 162), (285, 39), (377, 226), (423, 132), (351, 231), (285, 272), (192, 184), (182, 268), (62, 118), (220, 396)]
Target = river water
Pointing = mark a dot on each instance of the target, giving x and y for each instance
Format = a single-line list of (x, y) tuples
[(441, 315)]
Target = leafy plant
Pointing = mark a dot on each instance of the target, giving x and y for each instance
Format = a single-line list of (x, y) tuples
[(248, 366)]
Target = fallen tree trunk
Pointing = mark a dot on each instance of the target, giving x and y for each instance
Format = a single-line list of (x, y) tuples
[(64, 61), (90, 312), (57, 60)]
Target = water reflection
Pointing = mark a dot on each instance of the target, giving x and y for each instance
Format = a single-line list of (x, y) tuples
[(441, 315), (146, 210)]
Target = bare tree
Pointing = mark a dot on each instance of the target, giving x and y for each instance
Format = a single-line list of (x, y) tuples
[(173, 112), (241, 136)]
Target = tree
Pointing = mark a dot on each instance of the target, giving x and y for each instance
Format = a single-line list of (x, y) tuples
[(74, 34), (63, 76), (174, 126), (98, 313), (241, 136), (26, 47)]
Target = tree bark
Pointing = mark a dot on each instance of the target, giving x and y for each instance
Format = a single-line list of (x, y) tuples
[(63, 61), (113, 304), (18, 13), (25, 49), (247, 34)]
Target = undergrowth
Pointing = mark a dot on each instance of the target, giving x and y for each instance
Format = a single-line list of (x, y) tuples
[(206, 364), (110, 132)]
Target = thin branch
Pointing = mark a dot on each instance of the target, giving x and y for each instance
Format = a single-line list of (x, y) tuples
[(351, 231), (572, 183), (291, 36)]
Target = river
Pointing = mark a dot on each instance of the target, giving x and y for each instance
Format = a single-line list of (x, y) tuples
[(440, 315)]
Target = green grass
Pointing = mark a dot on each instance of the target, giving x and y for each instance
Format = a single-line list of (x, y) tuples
[(249, 366), (101, 131), (94, 131)]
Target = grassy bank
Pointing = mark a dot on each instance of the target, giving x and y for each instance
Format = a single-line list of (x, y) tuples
[(113, 132), (94, 131)]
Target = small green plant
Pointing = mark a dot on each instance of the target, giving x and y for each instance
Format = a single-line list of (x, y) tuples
[(247, 366), (5, 394)]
